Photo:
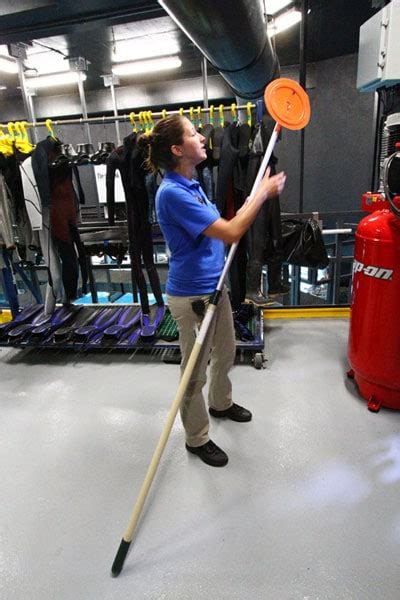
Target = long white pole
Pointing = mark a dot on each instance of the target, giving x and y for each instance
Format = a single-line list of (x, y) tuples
[(128, 535)]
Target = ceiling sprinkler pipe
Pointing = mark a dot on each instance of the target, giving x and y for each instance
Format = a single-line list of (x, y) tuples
[(233, 37)]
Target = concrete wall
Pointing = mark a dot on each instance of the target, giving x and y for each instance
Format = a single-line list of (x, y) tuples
[(339, 142)]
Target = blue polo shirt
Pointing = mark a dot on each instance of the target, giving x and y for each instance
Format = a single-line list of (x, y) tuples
[(184, 212)]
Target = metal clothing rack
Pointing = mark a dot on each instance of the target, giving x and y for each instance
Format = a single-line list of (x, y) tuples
[(127, 117)]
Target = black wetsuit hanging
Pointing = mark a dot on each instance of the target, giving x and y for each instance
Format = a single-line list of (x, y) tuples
[(265, 234), (22, 230), (204, 170), (230, 196), (57, 193), (128, 160)]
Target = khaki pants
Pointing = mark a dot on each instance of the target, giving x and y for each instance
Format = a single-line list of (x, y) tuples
[(220, 341)]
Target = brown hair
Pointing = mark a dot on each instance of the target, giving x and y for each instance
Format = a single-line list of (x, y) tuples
[(157, 144)]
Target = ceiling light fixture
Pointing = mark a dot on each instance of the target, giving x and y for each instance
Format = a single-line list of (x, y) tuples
[(45, 63), (8, 65), (144, 47), (274, 6), (58, 79), (140, 67), (283, 22)]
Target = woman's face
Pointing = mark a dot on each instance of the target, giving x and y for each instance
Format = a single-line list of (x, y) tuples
[(192, 149)]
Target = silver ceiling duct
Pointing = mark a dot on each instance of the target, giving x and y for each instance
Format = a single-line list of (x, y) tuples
[(233, 37)]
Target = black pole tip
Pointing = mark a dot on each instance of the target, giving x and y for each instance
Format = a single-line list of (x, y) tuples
[(120, 558)]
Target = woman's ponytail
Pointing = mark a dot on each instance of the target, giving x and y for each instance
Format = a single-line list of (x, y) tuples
[(156, 145)]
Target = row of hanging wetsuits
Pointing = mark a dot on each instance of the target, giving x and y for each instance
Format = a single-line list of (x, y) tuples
[(43, 194), (46, 186), (234, 155), (16, 234), (40, 196), (238, 150), (38, 216)]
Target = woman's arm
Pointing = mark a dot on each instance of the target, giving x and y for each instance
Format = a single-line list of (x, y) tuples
[(231, 231)]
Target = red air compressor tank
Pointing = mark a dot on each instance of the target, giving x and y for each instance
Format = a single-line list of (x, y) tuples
[(374, 339)]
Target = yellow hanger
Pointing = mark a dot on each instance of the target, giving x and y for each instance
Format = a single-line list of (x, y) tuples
[(18, 134), (181, 112), (25, 137), (233, 111), (211, 119), (141, 124), (133, 122), (11, 134), (146, 123), (248, 108), (163, 113), (221, 115), (6, 143), (199, 121), (191, 115), (23, 125), (150, 120), (21, 141), (3, 136), (49, 125), (6, 147), (17, 130)]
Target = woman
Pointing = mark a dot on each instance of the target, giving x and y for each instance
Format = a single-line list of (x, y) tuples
[(196, 236)]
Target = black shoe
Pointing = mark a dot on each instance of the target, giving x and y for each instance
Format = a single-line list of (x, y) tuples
[(279, 290), (258, 299), (234, 413), (210, 454)]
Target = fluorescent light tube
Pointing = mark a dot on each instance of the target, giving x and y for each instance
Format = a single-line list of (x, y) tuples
[(283, 22), (274, 6), (8, 65), (147, 66), (58, 79), (144, 47)]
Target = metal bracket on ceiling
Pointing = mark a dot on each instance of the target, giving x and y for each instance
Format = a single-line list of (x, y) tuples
[(110, 80), (78, 63)]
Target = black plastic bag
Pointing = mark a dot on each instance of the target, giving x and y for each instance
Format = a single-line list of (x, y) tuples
[(303, 244)]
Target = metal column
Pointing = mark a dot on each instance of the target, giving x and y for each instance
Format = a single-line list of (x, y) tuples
[(27, 97), (205, 81), (303, 82), (83, 105), (111, 81)]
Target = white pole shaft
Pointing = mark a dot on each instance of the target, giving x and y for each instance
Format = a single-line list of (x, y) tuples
[(129, 532), (335, 231), (128, 535)]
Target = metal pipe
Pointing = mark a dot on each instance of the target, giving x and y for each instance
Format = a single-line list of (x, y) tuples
[(377, 134), (33, 117), (26, 97), (336, 231), (83, 106), (205, 81), (303, 83), (114, 102), (111, 119), (233, 37)]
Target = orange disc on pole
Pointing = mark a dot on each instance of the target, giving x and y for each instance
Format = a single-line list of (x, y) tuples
[(287, 103)]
